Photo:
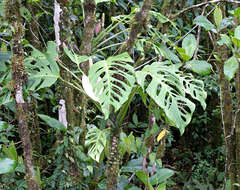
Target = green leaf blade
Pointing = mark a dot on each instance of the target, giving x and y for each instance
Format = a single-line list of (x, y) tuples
[(230, 67), (204, 22), (7, 165), (53, 122)]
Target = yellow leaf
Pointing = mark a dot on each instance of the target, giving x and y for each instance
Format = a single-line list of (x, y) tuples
[(161, 135)]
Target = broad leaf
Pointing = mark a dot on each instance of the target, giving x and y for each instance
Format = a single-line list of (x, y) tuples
[(162, 175), (200, 67), (43, 69), (168, 89), (230, 67), (195, 88), (236, 42), (96, 140), (204, 22), (161, 186), (112, 81), (217, 17), (74, 57), (53, 122), (144, 178), (237, 33), (182, 53), (225, 39), (7, 165), (164, 51), (3, 125), (11, 151), (189, 43)]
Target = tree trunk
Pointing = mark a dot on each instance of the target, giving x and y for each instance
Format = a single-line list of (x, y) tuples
[(140, 21), (13, 16), (227, 116), (113, 159), (33, 37)]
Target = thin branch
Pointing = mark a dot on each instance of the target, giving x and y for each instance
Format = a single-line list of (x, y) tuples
[(4, 41), (198, 34), (202, 4)]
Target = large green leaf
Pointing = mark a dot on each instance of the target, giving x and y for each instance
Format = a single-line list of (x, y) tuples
[(225, 39), (144, 178), (96, 140), (7, 165), (168, 87), (112, 81), (195, 88), (230, 67), (11, 151), (161, 175), (42, 67), (237, 32), (189, 43), (217, 17), (200, 67), (3, 125), (204, 22), (53, 122)]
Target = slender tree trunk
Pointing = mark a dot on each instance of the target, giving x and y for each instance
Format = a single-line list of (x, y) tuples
[(113, 159), (230, 127), (89, 7), (13, 16), (139, 23), (237, 118), (33, 37), (67, 114)]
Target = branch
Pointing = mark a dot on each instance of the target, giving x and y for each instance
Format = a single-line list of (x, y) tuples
[(89, 7), (139, 22), (202, 4)]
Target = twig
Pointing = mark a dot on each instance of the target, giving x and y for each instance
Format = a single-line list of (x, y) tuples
[(198, 34), (194, 27), (201, 4), (4, 41)]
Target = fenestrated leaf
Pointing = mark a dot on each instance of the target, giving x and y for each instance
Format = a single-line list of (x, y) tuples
[(112, 81), (96, 140), (200, 67), (42, 67), (230, 67), (161, 175), (204, 22), (189, 43), (53, 122), (168, 89), (87, 86), (195, 88), (7, 165)]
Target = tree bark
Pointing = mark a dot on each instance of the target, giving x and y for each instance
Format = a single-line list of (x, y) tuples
[(89, 7), (13, 16)]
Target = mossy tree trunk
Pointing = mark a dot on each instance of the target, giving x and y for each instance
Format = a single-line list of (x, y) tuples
[(13, 16), (89, 8), (33, 37), (65, 39), (227, 112)]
